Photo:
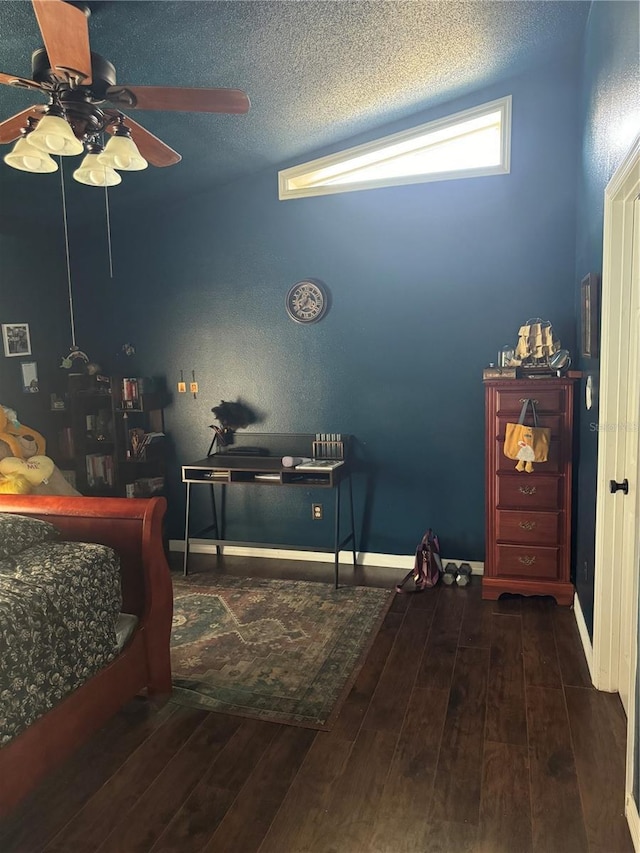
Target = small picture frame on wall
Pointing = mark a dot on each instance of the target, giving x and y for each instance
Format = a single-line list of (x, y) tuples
[(590, 315), (16, 339), (29, 377)]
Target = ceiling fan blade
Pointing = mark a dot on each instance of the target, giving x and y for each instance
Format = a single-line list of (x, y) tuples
[(65, 32), (11, 128), (179, 99), (152, 149), (19, 82)]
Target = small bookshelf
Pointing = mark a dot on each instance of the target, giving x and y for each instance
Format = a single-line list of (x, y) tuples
[(112, 439)]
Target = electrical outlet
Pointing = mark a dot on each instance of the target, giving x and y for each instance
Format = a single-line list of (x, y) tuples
[(316, 512)]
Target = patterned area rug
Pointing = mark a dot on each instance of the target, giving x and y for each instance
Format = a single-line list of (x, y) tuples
[(284, 651)]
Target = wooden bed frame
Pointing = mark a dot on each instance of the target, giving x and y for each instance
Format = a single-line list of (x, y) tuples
[(133, 527)]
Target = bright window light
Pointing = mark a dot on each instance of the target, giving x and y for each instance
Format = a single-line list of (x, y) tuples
[(468, 144)]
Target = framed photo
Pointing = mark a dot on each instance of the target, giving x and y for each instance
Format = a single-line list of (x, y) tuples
[(15, 337), (590, 315), (29, 377)]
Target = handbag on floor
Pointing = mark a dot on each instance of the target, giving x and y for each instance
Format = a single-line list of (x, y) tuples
[(527, 444), (427, 565)]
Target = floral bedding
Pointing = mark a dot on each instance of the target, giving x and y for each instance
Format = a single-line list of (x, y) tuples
[(18, 532), (59, 605)]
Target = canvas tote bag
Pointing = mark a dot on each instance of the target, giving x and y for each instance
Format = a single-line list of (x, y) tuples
[(527, 444)]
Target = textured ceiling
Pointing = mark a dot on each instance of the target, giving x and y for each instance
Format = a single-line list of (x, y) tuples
[(316, 72)]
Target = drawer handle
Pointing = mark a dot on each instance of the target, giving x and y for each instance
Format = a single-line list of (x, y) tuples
[(527, 525), (527, 490), (527, 561), (523, 400)]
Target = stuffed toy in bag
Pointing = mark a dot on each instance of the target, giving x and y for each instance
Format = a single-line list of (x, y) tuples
[(23, 442), (24, 469)]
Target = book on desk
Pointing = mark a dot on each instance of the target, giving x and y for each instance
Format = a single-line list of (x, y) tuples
[(319, 465)]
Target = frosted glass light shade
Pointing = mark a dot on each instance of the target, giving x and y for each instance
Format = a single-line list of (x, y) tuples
[(27, 158), (94, 174), (122, 153), (54, 136)]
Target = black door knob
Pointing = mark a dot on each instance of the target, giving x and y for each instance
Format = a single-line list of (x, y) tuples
[(619, 487)]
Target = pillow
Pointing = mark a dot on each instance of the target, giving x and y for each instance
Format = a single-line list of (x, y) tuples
[(18, 532)]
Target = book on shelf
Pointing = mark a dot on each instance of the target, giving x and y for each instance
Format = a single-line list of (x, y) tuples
[(133, 388), (143, 443), (100, 469), (146, 487), (130, 393), (320, 465)]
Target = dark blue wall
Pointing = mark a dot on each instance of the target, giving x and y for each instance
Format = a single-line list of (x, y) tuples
[(610, 123), (610, 118), (33, 290), (427, 282)]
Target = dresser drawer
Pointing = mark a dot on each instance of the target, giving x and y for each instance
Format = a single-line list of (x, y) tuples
[(528, 491), (537, 528), (527, 561), (544, 399), (553, 465)]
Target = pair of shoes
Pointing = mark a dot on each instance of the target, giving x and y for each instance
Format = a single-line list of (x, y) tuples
[(452, 574)]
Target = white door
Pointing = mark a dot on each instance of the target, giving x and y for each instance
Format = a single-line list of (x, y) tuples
[(628, 503), (618, 514)]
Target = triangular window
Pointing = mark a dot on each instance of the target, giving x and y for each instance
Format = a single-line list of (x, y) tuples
[(468, 144)]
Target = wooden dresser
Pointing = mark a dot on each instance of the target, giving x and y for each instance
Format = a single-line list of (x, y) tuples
[(528, 516)]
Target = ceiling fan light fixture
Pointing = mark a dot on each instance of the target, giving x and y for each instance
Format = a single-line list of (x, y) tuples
[(28, 158), (95, 174), (122, 153), (53, 135)]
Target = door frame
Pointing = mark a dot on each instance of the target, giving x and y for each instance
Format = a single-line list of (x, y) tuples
[(615, 374)]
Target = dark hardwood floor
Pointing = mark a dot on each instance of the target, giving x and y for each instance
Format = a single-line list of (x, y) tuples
[(471, 727)]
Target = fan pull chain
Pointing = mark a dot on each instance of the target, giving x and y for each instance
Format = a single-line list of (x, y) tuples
[(106, 203), (66, 246)]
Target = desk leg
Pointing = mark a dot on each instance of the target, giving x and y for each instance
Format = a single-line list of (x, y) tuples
[(336, 540), (353, 525), (186, 533), (214, 514)]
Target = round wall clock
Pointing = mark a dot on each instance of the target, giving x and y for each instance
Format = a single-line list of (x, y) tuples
[(307, 301)]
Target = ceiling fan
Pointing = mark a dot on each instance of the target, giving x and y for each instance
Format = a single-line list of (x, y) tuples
[(85, 101)]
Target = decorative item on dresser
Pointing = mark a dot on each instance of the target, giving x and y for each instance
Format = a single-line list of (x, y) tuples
[(528, 515)]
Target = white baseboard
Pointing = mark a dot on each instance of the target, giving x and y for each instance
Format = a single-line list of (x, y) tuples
[(584, 634), (633, 820), (402, 562)]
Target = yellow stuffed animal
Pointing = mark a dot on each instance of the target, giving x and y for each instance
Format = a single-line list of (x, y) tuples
[(23, 467), (14, 434), (36, 470), (17, 475), (14, 484)]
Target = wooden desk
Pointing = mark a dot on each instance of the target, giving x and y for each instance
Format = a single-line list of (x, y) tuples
[(226, 468)]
